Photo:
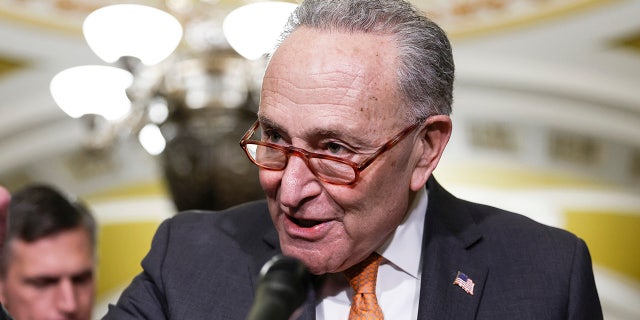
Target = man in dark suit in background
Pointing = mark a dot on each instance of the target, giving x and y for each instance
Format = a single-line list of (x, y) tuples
[(47, 266), (353, 119), (5, 197)]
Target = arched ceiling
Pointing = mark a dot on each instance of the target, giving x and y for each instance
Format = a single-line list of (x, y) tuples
[(578, 50)]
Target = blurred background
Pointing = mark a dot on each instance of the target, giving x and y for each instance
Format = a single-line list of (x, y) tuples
[(546, 121)]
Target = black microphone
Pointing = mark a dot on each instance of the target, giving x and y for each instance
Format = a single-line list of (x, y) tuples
[(4, 315), (282, 288)]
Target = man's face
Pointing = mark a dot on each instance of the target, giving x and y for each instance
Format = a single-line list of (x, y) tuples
[(51, 278), (335, 93)]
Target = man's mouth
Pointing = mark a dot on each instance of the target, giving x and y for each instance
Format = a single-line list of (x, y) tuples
[(304, 223)]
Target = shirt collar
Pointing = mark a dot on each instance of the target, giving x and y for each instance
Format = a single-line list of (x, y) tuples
[(404, 247)]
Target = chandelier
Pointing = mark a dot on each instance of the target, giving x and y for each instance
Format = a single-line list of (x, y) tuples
[(160, 63), (185, 84)]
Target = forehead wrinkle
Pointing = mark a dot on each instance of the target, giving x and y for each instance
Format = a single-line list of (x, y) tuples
[(341, 95), (342, 82)]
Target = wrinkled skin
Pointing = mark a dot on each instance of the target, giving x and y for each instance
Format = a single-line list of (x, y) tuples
[(335, 93)]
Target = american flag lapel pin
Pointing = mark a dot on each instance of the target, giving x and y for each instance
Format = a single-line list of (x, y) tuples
[(464, 282)]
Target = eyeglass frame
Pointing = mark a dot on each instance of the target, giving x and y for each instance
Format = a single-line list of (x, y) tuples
[(306, 155)]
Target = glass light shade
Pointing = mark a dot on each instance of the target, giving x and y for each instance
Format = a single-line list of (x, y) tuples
[(151, 139), (144, 32), (253, 30), (97, 90)]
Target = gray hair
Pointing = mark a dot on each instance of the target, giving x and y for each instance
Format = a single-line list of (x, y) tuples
[(426, 68)]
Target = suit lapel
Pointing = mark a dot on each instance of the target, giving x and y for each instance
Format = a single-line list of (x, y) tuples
[(449, 235), (263, 253), (440, 298), (309, 307)]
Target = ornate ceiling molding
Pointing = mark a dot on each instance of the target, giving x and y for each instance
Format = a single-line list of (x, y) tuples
[(9, 65), (458, 17), (470, 17)]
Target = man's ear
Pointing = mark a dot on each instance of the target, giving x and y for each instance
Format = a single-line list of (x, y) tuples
[(432, 139)]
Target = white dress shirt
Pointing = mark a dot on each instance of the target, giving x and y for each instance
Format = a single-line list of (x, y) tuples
[(398, 284)]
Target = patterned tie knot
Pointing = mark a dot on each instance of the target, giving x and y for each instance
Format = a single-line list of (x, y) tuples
[(362, 278)]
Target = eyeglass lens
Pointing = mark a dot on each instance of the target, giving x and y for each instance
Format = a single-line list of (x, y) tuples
[(274, 158)]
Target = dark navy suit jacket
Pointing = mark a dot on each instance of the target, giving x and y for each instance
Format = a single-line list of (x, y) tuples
[(205, 265)]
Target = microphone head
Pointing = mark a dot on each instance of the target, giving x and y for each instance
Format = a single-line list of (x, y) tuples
[(285, 276), (282, 288)]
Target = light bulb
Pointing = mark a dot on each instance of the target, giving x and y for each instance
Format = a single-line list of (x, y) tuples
[(253, 30), (92, 89), (151, 139), (122, 30)]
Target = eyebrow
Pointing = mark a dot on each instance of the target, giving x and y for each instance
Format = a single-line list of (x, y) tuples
[(41, 280), (320, 133), (53, 279), (265, 122)]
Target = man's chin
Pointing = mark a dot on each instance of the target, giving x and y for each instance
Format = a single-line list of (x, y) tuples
[(316, 262)]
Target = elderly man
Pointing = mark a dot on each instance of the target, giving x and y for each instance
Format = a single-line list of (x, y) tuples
[(353, 119), (47, 265)]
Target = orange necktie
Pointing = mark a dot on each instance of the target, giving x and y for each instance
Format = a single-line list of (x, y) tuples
[(362, 278)]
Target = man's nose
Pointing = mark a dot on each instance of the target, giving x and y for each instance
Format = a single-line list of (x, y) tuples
[(298, 182), (66, 297)]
